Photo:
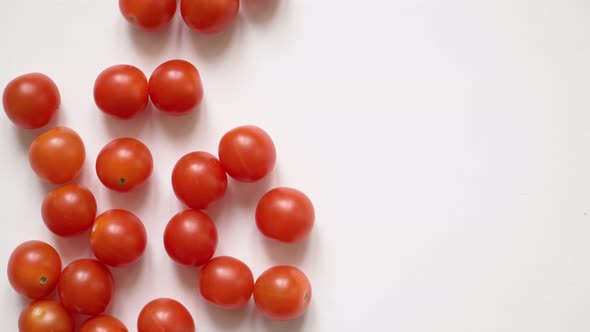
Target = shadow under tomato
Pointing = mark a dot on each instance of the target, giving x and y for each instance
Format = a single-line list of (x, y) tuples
[(187, 276), (212, 46), (132, 201), (72, 248), (229, 320), (248, 194), (118, 128), (126, 278), (151, 43), (294, 325), (288, 253), (179, 127), (27, 136), (260, 11)]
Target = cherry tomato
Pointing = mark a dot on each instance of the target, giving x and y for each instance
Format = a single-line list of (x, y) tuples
[(121, 91), (198, 180), (190, 238), (124, 164), (102, 323), (247, 153), (34, 268), (285, 214), (69, 210), (175, 87), (165, 315), (118, 238), (57, 155), (31, 100), (209, 16), (86, 287), (148, 14), (44, 316), (282, 293), (226, 282)]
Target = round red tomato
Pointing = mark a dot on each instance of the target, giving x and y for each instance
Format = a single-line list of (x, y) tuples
[(166, 315), (226, 282), (121, 91), (148, 14), (31, 100), (209, 16), (34, 268), (247, 153), (285, 214), (86, 287), (198, 180), (102, 323), (190, 238), (57, 156), (175, 87), (118, 238), (282, 293), (69, 210), (124, 164), (43, 316)]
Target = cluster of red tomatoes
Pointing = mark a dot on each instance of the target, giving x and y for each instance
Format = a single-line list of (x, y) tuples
[(118, 237), (207, 16)]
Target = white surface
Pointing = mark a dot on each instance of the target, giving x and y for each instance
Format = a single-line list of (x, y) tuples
[(445, 145)]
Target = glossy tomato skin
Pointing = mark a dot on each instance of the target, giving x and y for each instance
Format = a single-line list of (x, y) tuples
[(282, 293), (86, 287), (102, 323), (198, 180), (226, 282), (121, 91), (148, 15), (165, 315), (247, 153), (69, 210), (44, 316), (190, 238), (118, 238), (57, 155), (34, 268), (124, 164), (31, 100), (175, 87), (209, 16), (285, 214)]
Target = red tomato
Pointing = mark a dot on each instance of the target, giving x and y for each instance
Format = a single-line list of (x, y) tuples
[(247, 153), (86, 287), (124, 164), (209, 16), (175, 87), (198, 180), (121, 91), (190, 238), (148, 14), (282, 293), (285, 214), (31, 100), (102, 323), (226, 282), (34, 268), (69, 210), (57, 156), (118, 238), (44, 316), (165, 315)]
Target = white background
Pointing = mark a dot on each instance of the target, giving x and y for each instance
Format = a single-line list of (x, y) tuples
[(445, 144)]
